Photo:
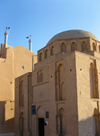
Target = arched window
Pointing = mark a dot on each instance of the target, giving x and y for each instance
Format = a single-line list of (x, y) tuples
[(84, 46), (73, 46), (94, 80), (60, 86), (46, 53), (94, 46), (52, 50), (40, 56), (63, 47), (40, 76)]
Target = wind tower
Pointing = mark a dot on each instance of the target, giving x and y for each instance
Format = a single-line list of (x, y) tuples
[(6, 37), (30, 42)]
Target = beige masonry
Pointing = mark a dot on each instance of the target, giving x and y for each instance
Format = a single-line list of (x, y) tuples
[(14, 61), (62, 88)]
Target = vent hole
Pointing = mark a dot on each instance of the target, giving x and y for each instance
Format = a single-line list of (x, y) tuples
[(22, 67)]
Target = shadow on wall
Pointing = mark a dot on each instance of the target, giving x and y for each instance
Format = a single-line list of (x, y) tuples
[(3, 51), (89, 126), (5, 126)]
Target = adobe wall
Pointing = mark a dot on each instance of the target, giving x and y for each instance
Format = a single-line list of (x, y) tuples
[(44, 95), (86, 103), (18, 61)]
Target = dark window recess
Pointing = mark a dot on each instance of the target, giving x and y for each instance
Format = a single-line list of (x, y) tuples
[(33, 109), (47, 114)]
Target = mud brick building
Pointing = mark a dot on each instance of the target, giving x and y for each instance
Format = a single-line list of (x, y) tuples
[(60, 85)]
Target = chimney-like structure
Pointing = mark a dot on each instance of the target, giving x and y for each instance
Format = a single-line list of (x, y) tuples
[(30, 43), (6, 37)]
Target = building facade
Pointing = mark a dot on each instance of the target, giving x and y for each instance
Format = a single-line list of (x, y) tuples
[(62, 90), (14, 62)]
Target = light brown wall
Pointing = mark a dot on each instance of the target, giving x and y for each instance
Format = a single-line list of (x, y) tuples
[(10, 68), (86, 104), (48, 101)]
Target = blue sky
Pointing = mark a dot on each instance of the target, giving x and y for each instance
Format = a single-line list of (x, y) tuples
[(45, 18)]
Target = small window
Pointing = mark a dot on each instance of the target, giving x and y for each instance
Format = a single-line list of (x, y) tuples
[(84, 46), (33, 109), (52, 50), (47, 114), (46, 53), (40, 56), (63, 48), (40, 76), (94, 46), (73, 46)]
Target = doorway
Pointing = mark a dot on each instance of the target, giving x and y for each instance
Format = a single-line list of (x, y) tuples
[(41, 126)]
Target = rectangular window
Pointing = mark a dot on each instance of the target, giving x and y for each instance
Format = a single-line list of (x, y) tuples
[(33, 108), (47, 114)]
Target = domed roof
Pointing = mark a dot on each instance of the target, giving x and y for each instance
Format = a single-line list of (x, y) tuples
[(72, 34)]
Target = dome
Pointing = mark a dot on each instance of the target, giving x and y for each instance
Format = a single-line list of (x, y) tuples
[(72, 34)]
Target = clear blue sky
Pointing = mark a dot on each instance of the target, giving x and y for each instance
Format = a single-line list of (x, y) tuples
[(45, 18)]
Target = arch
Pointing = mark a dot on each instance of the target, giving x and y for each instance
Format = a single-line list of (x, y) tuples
[(40, 112), (92, 65), (39, 76), (84, 46), (63, 47), (40, 56), (46, 53), (94, 80), (61, 111), (60, 79), (21, 81), (61, 72), (96, 116), (73, 46), (62, 121), (94, 46), (52, 50), (60, 65)]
